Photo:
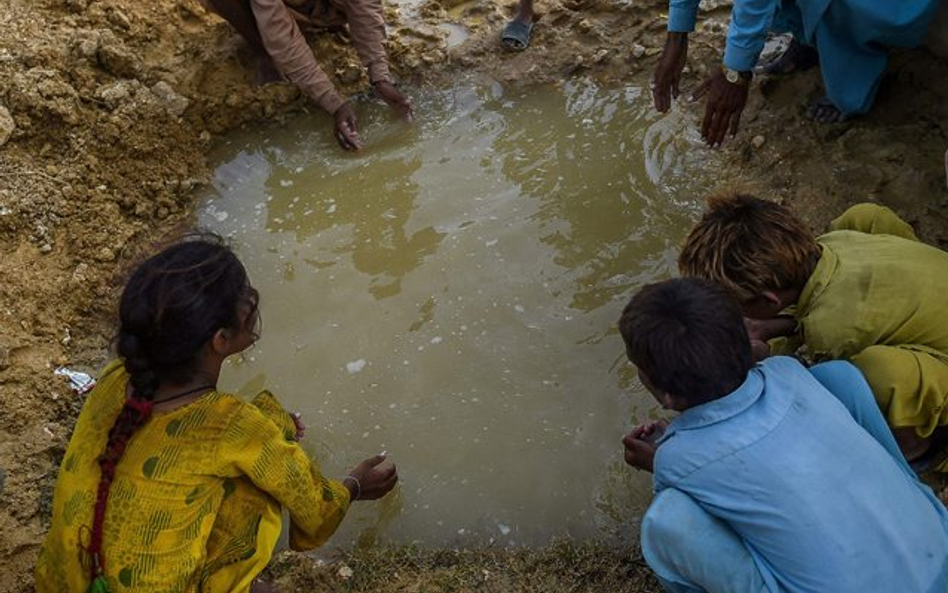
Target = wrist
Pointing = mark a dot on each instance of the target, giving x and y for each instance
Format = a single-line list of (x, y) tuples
[(738, 77), (353, 485)]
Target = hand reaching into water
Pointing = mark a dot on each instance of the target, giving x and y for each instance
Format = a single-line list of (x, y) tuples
[(395, 99), (668, 71), (346, 132), (640, 444), (372, 479), (722, 112)]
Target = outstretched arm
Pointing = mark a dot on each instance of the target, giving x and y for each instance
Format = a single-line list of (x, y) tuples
[(288, 49), (367, 29), (681, 21), (253, 446), (727, 96), (751, 20)]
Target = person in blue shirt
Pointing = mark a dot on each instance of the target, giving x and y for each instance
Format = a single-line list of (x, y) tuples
[(773, 477), (851, 38)]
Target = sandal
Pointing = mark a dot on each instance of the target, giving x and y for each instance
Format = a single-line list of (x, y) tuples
[(825, 112), (516, 35), (798, 57)]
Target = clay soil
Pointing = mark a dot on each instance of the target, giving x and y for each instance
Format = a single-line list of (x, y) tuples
[(113, 105)]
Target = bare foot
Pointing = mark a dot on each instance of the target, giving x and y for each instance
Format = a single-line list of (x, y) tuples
[(825, 112)]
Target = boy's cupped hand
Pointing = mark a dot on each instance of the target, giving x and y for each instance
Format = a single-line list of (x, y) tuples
[(640, 444)]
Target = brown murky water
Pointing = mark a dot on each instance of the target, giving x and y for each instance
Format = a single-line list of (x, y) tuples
[(451, 293)]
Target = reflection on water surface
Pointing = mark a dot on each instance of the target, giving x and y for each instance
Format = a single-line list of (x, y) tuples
[(450, 295)]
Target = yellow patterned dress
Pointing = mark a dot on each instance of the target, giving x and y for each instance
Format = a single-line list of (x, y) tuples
[(197, 496)]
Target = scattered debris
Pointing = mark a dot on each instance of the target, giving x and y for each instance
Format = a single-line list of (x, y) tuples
[(79, 382)]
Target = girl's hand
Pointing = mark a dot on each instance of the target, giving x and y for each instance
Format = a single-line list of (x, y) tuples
[(375, 478), (299, 424)]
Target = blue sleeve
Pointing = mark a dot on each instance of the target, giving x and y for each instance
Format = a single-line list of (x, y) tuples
[(682, 15), (750, 22)]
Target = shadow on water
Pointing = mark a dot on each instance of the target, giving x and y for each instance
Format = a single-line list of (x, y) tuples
[(451, 293)]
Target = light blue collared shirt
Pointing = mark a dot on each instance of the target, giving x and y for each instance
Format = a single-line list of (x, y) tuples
[(819, 503)]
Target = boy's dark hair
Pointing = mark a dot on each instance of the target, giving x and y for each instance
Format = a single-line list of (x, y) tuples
[(749, 246), (172, 305), (688, 337)]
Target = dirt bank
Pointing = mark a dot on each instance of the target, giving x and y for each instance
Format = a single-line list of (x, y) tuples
[(107, 108)]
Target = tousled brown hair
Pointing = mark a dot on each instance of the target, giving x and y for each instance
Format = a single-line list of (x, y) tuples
[(749, 246)]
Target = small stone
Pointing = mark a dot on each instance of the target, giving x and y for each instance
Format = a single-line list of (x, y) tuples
[(114, 94), (80, 274), (77, 5), (638, 50), (117, 59), (46, 248), (118, 18), (170, 100), (345, 573), (105, 254), (88, 48), (205, 136), (7, 125), (758, 141), (349, 74)]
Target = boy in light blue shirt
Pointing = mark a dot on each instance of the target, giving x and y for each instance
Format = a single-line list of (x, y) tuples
[(773, 477)]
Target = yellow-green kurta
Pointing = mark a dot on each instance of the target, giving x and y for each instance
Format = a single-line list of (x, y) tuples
[(878, 296), (197, 496)]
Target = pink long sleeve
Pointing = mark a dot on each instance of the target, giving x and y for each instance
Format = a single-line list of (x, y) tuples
[(367, 29), (287, 47)]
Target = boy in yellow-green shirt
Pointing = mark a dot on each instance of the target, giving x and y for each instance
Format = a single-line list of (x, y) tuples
[(867, 291)]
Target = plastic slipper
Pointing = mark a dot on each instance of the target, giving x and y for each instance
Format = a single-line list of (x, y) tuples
[(825, 104), (796, 58), (516, 35)]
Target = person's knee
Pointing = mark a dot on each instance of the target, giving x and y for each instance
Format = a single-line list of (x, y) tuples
[(884, 367), (666, 523)]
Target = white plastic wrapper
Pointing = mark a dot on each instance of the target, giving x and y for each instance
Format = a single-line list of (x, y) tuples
[(80, 382)]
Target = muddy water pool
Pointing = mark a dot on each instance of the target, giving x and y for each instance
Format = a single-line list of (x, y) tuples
[(450, 295)]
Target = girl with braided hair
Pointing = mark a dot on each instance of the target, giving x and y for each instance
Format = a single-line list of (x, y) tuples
[(169, 485)]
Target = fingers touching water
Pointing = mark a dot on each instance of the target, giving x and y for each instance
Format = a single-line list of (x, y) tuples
[(375, 477), (667, 77)]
